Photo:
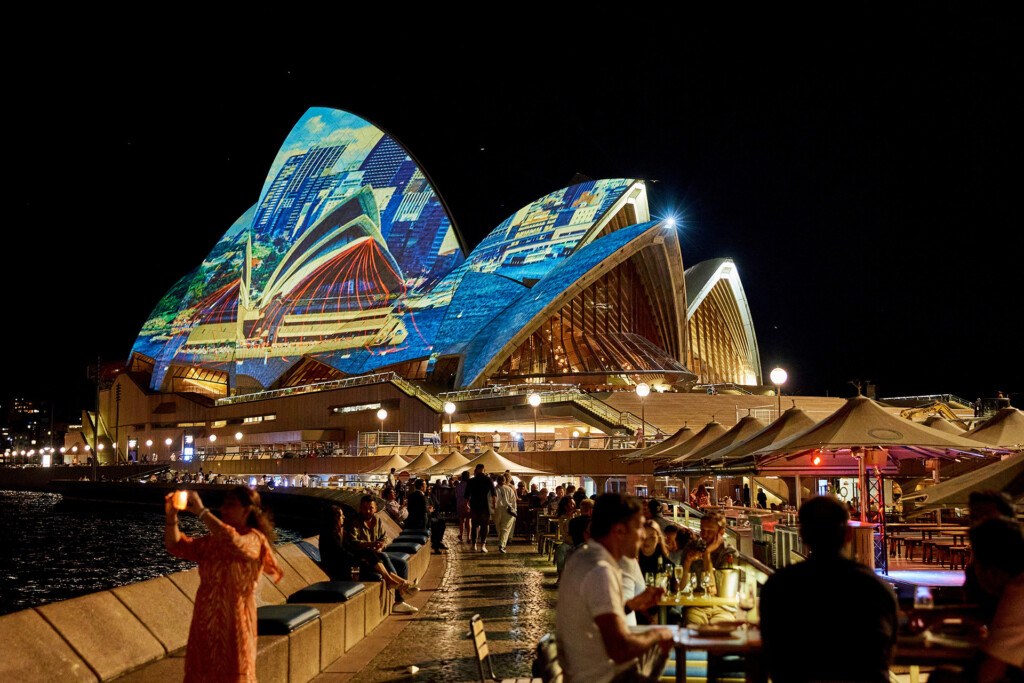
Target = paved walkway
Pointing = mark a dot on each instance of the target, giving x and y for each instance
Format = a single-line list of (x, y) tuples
[(514, 593)]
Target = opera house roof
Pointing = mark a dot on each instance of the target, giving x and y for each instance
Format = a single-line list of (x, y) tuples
[(350, 258)]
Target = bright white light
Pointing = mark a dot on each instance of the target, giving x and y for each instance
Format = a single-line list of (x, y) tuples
[(670, 221), (534, 400), (643, 389), (87, 447), (46, 461), (382, 414), (778, 376), (449, 407), (74, 449), (213, 437), (238, 436), (99, 447), (149, 442), (63, 450), (167, 441), (575, 435)]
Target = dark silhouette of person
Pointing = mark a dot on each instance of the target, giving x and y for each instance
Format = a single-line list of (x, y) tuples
[(804, 638)]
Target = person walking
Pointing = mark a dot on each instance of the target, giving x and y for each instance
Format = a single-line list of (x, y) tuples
[(222, 636), (462, 505), (505, 511), (480, 492)]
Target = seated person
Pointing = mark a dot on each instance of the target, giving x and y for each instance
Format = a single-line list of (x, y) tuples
[(983, 506), (579, 527), (800, 645), (999, 569), (676, 538), (594, 643), (653, 557), (364, 540), (394, 509), (703, 555)]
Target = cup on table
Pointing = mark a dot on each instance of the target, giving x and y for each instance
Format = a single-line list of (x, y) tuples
[(355, 573), (180, 501)]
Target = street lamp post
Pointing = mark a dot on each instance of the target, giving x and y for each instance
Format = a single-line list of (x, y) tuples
[(643, 390), (381, 415), (535, 400), (449, 408), (778, 377)]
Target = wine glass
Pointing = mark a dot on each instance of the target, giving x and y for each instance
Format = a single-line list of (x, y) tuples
[(748, 600), (679, 579), (649, 579)]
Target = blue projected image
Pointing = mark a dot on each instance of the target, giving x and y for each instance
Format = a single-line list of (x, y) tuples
[(349, 258)]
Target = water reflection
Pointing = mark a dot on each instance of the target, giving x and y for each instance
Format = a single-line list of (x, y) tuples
[(53, 550)]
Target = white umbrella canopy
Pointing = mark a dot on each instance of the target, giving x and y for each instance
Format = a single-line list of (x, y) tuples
[(1005, 429), (861, 422), (738, 456), (421, 463), (448, 465), (1005, 475), (655, 450), (710, 432), (493, 462), (738, 433), (396, 461), (943, 425)]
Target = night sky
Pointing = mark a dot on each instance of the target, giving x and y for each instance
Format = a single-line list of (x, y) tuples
[(865, 184)]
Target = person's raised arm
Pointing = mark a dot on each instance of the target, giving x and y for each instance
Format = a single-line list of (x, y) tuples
[(621, 645), (212, 522), (172, 534)]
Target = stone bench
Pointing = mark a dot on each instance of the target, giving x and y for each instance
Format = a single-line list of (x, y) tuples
[(137, 633)]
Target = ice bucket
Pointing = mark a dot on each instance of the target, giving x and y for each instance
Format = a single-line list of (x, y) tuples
[(728, 582)]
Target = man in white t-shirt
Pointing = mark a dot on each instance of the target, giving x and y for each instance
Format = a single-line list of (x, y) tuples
[(594, 642)]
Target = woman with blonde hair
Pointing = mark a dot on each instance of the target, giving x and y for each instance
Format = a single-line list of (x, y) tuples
[(222, 637)]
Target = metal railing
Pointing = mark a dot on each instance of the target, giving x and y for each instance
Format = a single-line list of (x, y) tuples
[(499, 390), (728, 386), (362, 380), (945, 398)]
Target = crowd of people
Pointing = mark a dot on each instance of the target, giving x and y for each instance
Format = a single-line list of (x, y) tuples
[(604, 590)]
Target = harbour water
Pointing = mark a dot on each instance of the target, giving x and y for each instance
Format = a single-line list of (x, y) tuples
[(51, 549)]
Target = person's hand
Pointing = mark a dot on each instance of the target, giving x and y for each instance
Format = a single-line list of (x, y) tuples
[(666, 639), (648, 599), (692, 556), (172, 514), (194, 504)]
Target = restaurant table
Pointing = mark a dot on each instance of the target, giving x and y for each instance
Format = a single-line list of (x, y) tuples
[(690, 600), (742, 641)]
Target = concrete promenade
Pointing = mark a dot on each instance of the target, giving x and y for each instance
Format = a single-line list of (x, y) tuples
[(514, 593)]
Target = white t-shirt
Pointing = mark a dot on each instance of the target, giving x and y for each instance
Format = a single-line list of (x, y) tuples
[(633, 584), (591, 585)]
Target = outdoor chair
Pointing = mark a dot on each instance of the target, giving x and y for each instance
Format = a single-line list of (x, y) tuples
[(476, 631)]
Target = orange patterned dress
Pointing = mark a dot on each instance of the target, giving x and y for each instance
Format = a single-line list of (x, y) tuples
[(222, 637)]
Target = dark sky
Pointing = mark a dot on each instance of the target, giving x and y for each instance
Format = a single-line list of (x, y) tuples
[(866, 183)]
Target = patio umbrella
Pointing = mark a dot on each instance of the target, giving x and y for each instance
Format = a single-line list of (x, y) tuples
[(1005, 429), (741, 431), (678, 439), (862, 427), (737, 458), (1006, 475), (710, 432), (421, 463), (493, 462), (396, 461), (943, 425), (454, 461)]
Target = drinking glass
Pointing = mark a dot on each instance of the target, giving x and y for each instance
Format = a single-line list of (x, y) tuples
[(679, 579), (748, 600), (649, 579)]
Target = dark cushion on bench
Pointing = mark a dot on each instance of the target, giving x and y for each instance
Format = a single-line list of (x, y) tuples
[(421, 534), (311, 550), (410, 547), (327, 591), (280, 620), (398, 556)]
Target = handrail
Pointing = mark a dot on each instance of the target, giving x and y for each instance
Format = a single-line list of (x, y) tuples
[(360, 380)]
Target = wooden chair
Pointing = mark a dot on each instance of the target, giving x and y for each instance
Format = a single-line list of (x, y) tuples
[(546, 666), (476, 630)]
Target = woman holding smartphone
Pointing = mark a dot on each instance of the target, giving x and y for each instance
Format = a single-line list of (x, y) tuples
[(222, 637)]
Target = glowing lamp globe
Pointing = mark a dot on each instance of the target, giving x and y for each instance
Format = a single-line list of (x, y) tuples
[(238, 436), (449, 407), (167, 441), (534, 400), (382, 414), (643, 390), (213, 437), (778, 376)]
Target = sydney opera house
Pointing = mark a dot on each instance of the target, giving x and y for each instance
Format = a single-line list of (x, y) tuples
[(349, 264)]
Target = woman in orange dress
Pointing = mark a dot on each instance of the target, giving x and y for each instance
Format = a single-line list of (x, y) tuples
[(222, 637)]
